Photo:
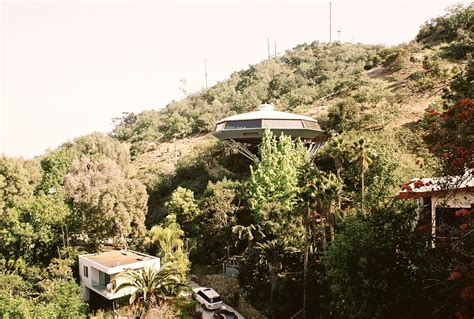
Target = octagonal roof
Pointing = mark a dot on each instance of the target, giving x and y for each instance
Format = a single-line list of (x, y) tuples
[(266, 111)]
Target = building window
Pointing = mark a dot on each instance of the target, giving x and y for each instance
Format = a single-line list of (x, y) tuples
[(86, 271), (233, 125), (104, 278)]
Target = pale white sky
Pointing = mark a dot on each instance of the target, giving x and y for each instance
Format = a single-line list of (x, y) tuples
[(69, 67)]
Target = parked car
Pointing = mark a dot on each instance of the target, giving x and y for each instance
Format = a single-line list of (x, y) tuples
[(225, 314), (208, 298)]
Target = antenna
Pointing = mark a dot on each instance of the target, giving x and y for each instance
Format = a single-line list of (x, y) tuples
[(205, 70), (330, 22)]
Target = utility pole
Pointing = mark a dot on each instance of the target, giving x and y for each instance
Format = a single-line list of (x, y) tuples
[(339, 34), (183, 86), (268, 47), (330, 22), (275, 49), (205, 70)]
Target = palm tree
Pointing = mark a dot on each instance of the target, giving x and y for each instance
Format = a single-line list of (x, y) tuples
[(332, 188), (150, 285), (248, 233), (272, 253), (362, 157), (336, 151)]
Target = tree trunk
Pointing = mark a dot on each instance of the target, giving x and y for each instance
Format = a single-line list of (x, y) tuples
[(338, 174), (273, 292), (332, 220), (322, 222), (362, 192), (305, 262)]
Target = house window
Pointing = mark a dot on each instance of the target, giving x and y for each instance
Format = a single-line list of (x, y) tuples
[(104, 278), (86, 271), (233, 125)]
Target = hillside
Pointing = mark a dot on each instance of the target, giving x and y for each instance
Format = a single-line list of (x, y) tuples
[(344, 86)]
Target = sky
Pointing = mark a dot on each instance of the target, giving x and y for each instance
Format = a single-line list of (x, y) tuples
[(69, 67)]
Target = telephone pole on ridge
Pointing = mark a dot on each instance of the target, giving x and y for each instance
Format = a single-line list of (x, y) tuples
[(268, 47)]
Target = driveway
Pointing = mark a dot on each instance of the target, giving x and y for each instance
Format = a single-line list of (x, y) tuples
[(207, 314)]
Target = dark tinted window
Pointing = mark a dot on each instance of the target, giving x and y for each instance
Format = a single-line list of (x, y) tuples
[(216, 299), (202, 294), (232, 125)]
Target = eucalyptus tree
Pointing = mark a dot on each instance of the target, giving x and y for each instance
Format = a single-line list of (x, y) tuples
[(106, 204), (14, 186)]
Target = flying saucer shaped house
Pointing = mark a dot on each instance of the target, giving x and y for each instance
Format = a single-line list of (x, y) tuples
[(249, 127)]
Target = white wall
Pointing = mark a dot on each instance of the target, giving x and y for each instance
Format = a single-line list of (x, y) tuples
[(86, 282)]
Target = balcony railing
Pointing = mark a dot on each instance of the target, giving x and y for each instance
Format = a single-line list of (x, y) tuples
[(100, 287)]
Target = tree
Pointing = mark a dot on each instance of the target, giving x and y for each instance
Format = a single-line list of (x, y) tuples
[(14, 186), (167, 240), (450, 135), (381, 266), (55, 166), (272, 253), (50, 292), (150, 285), (331, 191), (98, 147), (363, 158), (220, 202), (182, 205), (335, 149), (106, 204), (34, 231), (274, 176), (219, 205), (248, 233)]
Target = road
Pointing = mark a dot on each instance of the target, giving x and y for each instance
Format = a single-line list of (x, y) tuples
[(207, 314)]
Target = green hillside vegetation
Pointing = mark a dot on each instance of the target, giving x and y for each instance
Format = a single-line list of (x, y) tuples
[(323, 234)]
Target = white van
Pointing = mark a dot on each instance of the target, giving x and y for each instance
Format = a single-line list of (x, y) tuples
[(208, 298)]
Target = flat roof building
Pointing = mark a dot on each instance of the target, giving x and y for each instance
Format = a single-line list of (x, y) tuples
[(98, 272)]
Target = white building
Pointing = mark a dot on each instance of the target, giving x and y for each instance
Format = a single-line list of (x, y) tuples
[(451, 192), (98, 272)]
